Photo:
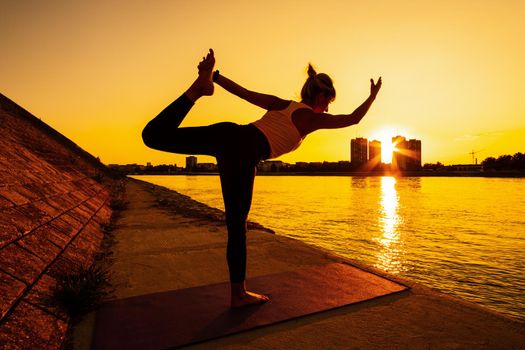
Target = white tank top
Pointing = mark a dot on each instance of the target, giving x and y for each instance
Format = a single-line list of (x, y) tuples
[(279, 129)]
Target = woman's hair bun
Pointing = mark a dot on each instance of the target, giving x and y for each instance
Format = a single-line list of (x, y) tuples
[(316, 85), (311, 71)]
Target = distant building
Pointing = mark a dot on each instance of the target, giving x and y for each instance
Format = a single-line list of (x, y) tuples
[(207, 167), (359, 151), (407, 155), (271, 166), (466, 167), (374, 153), (399, 157), (191, 163), (127, 168), (414, 154)]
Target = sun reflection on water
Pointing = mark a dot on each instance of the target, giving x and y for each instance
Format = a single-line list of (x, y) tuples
[(389, 254)]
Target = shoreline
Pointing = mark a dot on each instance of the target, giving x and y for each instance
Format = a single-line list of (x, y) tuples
[(359, 174), (162, 245)]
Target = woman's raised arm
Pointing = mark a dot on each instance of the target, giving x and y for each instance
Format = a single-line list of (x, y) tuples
[(265, 101), (329, 121)]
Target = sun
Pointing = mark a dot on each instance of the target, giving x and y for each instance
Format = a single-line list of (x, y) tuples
[(387, 147)]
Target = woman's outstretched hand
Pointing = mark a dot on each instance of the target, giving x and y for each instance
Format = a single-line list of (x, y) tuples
[(374, 87)]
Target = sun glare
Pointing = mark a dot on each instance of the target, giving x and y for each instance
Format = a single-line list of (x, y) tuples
[(387, 147)]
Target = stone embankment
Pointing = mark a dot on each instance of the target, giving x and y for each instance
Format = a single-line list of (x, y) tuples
[(52, 205)]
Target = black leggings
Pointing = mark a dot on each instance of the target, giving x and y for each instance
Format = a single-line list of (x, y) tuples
[(237, 148)]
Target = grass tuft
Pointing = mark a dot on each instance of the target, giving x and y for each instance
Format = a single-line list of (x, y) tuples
[(82, 290), (118, 204), (118, 196), (98, 177)]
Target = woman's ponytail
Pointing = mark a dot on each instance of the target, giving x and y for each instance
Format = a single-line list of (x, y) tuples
[(315, 85), (311, 71)]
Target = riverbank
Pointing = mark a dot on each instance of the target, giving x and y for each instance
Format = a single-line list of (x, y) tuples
[(493, 174), (164, 241)]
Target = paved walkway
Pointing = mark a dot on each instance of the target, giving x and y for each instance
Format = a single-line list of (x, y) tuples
[(159, 250)]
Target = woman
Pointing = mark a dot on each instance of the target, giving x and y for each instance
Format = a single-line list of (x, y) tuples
[(239, 148)]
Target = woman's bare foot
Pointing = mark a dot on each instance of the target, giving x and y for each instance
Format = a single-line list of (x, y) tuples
[(203, 85), (241, 297), (249, 298)]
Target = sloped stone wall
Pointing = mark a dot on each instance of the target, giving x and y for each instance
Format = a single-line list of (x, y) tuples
[(51, 209)]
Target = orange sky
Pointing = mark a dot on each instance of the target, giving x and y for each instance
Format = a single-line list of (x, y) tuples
[(453, 71)]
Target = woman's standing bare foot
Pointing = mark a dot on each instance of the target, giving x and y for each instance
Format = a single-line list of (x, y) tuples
[(203, 85), (241, 297)]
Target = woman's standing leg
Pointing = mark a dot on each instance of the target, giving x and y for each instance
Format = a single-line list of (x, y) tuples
[(237, 177)]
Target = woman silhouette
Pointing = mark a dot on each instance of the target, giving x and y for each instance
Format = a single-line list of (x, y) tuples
[(239, 148)]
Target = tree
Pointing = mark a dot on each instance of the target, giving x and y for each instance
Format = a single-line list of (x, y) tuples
[(505, 162), (489, 163), (518, 161)]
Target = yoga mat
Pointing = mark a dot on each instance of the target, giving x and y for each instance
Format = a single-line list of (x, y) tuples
[(175, 318)]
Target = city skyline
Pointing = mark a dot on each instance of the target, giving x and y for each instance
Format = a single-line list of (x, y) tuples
[(98, 72), (408, 163), (411, 150), (401, 153)]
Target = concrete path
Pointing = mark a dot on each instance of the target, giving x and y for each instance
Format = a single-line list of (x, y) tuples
[(160, 250)]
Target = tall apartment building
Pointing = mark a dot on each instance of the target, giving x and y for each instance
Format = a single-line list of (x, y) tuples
[(359, 151), (399, 157), (407, 155), (191, 163), (374, 153), (414, 154)]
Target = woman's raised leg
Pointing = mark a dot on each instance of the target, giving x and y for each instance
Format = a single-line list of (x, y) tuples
[(159, 132)]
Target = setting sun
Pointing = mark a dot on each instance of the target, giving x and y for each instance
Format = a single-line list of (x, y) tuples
[(387, 147), (386, 150)]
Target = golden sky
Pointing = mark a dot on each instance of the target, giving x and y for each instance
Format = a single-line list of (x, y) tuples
[(98, 71)]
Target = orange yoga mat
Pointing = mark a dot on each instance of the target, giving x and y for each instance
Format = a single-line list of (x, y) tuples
[(186, 316)]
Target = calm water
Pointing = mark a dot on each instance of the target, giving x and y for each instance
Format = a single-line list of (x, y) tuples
[(463, 236)]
